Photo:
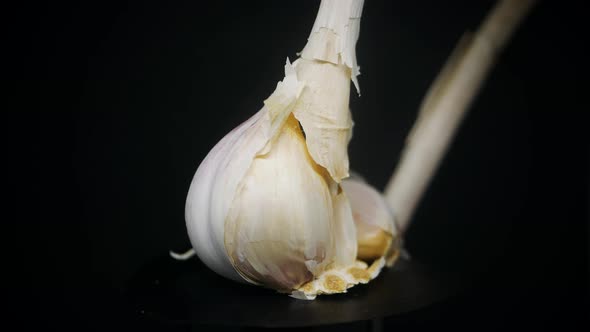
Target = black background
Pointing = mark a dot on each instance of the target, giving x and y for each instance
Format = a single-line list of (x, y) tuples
[(131, 96)]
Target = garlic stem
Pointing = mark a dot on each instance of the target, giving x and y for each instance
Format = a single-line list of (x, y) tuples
[(446, 104), (335, 33)]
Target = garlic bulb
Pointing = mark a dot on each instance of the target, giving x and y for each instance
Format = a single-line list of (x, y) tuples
[(268, 206)]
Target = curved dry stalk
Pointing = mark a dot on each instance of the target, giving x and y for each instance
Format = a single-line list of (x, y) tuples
[(446, 104)]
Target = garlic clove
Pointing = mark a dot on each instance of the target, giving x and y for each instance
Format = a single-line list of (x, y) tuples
[(283, 218), (377, 234)]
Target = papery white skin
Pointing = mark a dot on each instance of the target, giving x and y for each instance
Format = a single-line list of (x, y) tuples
[(213, 187)]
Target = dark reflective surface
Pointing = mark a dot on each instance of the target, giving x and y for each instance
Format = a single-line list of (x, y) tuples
[(131, 98), (178, 292)]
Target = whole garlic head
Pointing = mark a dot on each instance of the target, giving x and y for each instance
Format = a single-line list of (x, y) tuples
[(267, 205)]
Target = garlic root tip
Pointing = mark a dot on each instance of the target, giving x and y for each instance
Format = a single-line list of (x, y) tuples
[(182, 256)]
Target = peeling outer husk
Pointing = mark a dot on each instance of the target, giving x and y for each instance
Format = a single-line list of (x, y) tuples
[(327, 65), (322, 109)]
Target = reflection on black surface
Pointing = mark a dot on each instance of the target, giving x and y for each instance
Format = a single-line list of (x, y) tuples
[(187, 292)]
